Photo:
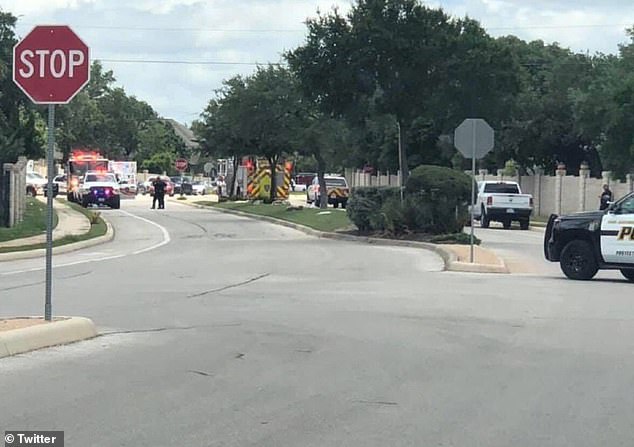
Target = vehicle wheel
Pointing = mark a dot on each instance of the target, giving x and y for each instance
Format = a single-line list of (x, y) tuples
[(84, 203), (336, 204), (525, 224), (344, 204), (308, 199), (578, 261), (116, 204), (507, 224), (31, 192), (628, 273), (484, 220)]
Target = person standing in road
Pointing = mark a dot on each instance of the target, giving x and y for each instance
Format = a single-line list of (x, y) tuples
[(605, 198), (159, 193)]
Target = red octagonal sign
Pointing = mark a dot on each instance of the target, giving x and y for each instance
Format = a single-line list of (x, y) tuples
[(51, 64)]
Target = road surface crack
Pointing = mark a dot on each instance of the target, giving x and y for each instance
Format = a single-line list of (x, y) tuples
[(146, 331), (200, 373), (230, 286), (377, 402), (39, 283)]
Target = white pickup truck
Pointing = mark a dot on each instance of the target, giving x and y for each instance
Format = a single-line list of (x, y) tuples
[(502, 202)]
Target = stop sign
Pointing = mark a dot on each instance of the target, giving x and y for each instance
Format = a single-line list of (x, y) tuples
[(181, 164), (51, 64)]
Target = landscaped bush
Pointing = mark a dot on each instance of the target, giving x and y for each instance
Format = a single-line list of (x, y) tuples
[(436, 202), (437, 199), (364, 206)]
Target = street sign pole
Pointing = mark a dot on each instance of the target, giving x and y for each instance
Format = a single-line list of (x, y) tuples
[(400, 160), (473, 168), (51, 64), (474, 138), (50, 155)]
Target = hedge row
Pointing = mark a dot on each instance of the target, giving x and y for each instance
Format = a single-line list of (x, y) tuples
[(435, 202)]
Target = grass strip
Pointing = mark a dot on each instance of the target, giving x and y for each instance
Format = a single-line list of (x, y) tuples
[(318, 219), (97, 229), (34, 222)]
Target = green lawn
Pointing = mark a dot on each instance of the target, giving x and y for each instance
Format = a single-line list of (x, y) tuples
[(34, 222), (97, 229), (332, 220)]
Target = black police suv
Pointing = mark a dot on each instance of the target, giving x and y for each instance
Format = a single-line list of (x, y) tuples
[(585, 242)]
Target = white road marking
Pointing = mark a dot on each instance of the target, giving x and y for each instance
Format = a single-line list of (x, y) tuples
[(166, 240), (166, 234)]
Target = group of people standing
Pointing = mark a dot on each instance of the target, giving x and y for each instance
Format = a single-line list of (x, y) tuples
[(159, 187)]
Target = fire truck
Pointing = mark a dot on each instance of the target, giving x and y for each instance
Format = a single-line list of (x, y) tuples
[(78, 164)]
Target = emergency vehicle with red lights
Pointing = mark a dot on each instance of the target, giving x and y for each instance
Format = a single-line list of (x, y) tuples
[(79, 163)]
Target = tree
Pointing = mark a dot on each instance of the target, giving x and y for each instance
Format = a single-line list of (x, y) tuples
[(156, 137), (541, 131), (256, 115), (159, 162), (19, 119), (220, 130), (397, 64), (603, 109)]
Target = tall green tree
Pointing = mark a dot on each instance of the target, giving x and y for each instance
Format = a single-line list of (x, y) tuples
[(20, 133), (255, 115), (422, 68), (540, 130), (604, 110)]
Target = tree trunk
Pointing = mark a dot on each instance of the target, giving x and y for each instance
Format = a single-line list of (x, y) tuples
[(321, 171), (402, 152), (273, 163)]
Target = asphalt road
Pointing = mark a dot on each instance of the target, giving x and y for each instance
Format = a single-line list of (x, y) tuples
[(224, 331), (523, 251)]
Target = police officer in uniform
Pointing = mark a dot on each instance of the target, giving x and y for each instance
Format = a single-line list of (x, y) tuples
[(159, 193), (605, 198)]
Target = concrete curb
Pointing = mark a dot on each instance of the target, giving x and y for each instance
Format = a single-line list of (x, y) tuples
[(74, 246), (61, 332), (449, 257)]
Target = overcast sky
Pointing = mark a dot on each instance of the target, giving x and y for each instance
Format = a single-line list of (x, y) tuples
[(222, 38)]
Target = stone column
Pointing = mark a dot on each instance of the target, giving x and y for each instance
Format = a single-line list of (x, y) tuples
[(483, 174), (629, 179), (607, 176), (537, 192), (500, 175), (584, 174), (560, 173), (12, 198)]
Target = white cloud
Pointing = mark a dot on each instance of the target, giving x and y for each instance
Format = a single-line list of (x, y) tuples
[(234, 31), (37, 7)]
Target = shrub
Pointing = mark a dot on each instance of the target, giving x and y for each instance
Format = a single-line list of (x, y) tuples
[(436, 202), (365, 204), (94, 217), (437, 199)]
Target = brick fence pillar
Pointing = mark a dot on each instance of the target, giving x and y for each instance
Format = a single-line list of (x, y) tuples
[(560, 173), (584, 174)]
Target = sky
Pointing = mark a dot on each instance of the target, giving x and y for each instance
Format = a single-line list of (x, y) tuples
[(174, 54)]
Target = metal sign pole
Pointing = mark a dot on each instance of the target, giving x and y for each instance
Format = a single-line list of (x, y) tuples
[(401, 186), (50, 155), (473, 202)]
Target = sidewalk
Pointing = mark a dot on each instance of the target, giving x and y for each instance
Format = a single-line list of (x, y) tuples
[(70, 222)]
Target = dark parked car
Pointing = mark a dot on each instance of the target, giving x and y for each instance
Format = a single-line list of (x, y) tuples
[(183, 184)]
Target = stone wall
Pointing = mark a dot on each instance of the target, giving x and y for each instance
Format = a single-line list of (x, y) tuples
[(558, 194), (564, 194), (13, 192)]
